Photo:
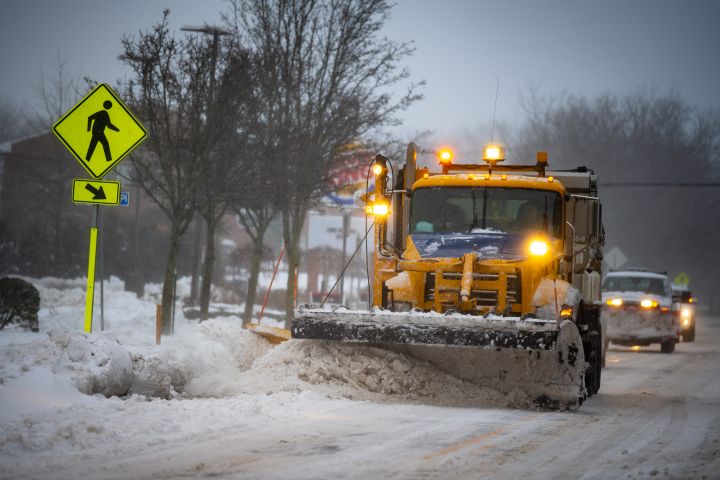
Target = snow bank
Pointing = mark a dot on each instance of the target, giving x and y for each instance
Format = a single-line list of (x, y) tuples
[(92, 364), (199, 360), (203, 361), (39, 374), (215, 359)]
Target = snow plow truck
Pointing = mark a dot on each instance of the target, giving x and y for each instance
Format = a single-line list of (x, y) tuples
[(490, 272)]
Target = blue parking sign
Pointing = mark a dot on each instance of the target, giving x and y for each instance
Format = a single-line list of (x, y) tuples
[(124, 199)]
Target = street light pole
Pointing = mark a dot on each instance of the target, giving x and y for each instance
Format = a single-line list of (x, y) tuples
[(216, 33)]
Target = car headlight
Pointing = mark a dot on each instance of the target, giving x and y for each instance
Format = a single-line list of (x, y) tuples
[(614, 302), (647, 303)]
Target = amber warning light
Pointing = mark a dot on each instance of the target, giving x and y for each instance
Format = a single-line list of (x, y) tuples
[(445, 155), (493, 152)]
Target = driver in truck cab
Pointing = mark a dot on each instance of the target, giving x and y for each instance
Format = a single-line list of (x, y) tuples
[(530, 217)]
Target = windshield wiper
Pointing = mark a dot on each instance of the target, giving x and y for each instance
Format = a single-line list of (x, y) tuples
[(475, 216)]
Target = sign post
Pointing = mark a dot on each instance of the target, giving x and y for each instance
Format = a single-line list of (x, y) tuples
[(99, 119), (90, 296)]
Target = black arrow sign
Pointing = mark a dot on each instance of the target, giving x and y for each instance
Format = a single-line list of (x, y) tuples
[(98, 192)]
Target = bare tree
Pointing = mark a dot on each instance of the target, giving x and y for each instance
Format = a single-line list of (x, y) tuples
[(58, 91), (326, 77), (13, 123), (256, 211), (169, 95), (38, 213), (225, 175), (647, 138)]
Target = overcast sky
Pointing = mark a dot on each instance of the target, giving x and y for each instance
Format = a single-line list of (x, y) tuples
[(581, 47)]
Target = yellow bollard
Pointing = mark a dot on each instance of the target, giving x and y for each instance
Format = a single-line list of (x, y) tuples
[(158, 323), (90, 296)]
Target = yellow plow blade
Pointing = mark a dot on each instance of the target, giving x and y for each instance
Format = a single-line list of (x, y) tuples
[(272, 334)]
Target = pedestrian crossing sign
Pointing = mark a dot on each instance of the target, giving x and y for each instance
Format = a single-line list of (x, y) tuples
[(99, 131)]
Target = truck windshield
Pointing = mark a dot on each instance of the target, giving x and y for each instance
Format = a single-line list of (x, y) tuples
[(486, 210), (653, 286)]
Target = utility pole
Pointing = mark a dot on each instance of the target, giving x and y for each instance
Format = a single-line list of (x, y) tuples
[(345, 231)]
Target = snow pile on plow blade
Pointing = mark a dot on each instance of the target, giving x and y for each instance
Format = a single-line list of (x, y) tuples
[(541, 357)]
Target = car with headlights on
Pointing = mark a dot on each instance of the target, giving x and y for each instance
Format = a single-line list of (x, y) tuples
[(688, 311), (638, 309)]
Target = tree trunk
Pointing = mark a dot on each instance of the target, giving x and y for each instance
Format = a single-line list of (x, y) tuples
[(256, 261), (208, 264), (293, 261), (169, 280), (292, 227), (195, 262), (58, 267)]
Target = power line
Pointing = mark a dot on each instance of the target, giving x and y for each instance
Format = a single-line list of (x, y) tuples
[(658, 184)]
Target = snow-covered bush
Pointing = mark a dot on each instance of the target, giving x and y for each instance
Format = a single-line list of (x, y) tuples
[(19, 303)]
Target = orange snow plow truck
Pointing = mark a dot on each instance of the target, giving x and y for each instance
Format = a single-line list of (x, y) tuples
[(489, 271)]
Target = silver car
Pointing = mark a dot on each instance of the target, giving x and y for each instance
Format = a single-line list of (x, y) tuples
[(638, 309)]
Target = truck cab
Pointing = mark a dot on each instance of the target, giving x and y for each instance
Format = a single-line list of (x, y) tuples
[(480, 238)]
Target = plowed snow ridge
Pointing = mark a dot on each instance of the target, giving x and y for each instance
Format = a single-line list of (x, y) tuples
[(214, 359)]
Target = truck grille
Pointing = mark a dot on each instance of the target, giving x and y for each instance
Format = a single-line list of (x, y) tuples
[(484, 297)]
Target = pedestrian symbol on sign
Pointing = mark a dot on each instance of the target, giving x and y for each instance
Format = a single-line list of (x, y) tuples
[(99, 121)]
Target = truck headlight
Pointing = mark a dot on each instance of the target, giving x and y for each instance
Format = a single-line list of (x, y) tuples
[(685, 312), (538, 248), (377, 209)]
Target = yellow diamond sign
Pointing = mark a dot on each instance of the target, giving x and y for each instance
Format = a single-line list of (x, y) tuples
[(682, 279), (99, 131)]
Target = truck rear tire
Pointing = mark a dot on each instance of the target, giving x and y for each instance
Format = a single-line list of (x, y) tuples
[(667, 347)]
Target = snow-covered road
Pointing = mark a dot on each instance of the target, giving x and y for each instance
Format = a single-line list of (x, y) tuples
[(656, 416)]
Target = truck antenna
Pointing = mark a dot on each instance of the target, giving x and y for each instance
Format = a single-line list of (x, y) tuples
[(497, 88)]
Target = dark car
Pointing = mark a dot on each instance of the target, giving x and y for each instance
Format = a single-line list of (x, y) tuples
[(688, 311)]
